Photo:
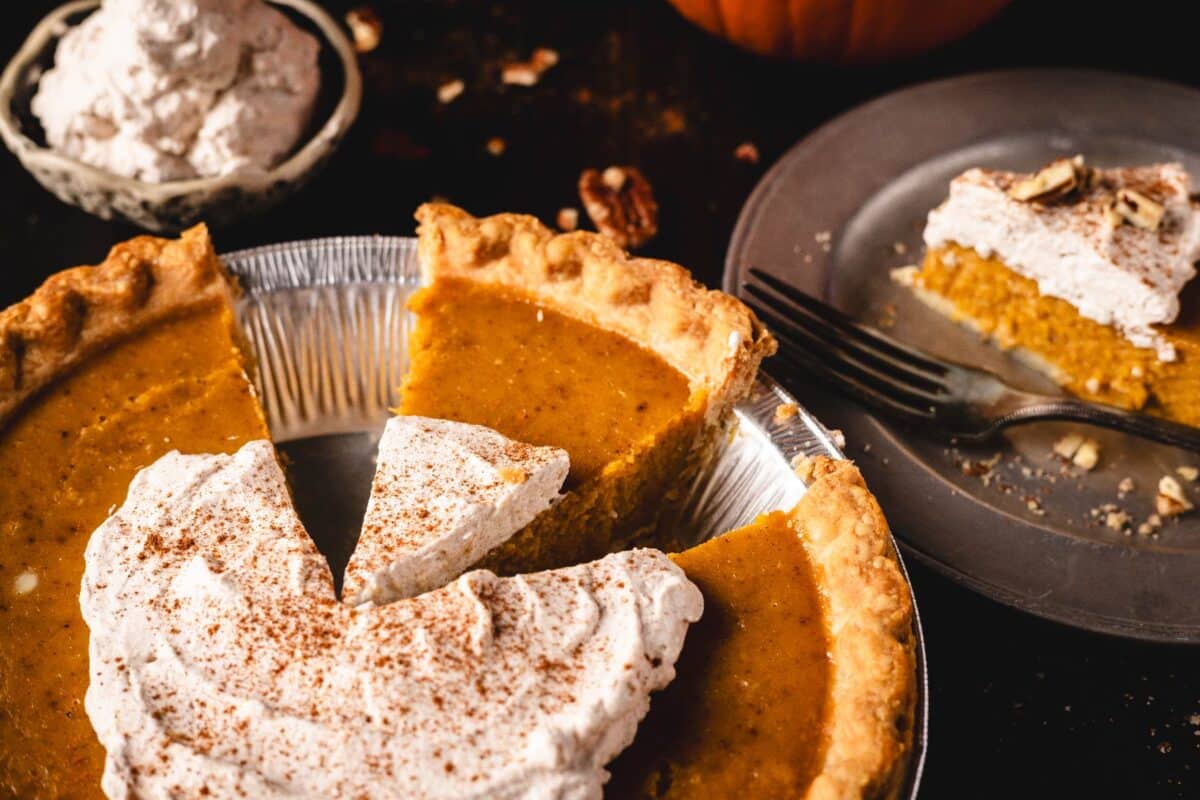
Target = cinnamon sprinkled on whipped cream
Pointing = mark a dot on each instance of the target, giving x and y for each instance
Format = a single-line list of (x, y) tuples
[(222, 663), (1120, 263), (445, 493)]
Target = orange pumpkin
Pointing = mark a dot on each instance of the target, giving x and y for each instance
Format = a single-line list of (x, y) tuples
[(841, 31)]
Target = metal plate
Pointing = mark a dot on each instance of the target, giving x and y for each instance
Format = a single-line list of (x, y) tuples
[(327, 323), (848, 203)]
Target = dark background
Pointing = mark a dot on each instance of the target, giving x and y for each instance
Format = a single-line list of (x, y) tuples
[(1021, 707)]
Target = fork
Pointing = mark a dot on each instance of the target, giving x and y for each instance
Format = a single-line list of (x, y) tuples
[(916, 388)]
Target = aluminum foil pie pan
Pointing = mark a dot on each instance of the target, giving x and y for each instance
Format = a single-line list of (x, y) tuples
[(327, 324)]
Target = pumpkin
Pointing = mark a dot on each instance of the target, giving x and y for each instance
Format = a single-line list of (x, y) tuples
[(840, 31)]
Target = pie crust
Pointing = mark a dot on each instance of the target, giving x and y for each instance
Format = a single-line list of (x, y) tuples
[(707, 335), (102, 370), (77, 312), (869, 619)]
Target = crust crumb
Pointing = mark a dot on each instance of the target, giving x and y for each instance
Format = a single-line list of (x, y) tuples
[(567, 219), (785, 411)]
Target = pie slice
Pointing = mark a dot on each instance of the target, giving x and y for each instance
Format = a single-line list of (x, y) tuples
[(800, 679), (567, 341), (1081, 272), (445, 493), (223, 664), (102, 370)]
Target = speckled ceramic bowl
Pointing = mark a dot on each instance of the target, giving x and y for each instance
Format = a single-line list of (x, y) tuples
[(176, 204)]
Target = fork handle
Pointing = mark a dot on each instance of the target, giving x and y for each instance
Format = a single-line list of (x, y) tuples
[(1159, 430)]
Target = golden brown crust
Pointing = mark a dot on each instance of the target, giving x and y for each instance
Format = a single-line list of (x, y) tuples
[(79, 311), (708, 336), (870, 622)]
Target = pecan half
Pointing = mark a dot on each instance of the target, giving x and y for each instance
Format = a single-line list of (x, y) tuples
[(620, 201)]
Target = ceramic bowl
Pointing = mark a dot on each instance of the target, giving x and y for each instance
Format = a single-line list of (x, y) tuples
[(173, 205)]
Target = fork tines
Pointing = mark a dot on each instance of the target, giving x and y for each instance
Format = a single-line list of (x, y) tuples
[(864, 362)]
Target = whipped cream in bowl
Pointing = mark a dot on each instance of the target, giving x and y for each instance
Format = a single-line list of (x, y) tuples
[(166, 113)]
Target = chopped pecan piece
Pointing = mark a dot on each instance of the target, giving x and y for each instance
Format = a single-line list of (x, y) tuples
[(746, 151), (449, 91), (1055, 181), (620, 201), (366, 28), (528, 73), (1171, 501), (1137, 209)]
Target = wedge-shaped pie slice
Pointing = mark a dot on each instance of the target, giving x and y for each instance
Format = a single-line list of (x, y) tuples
[(800, 680), (626, 363), (1081, 272), (445, 494), (223, 665), (102, 370)]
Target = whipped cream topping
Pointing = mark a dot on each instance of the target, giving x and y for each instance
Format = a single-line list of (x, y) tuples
[(162, 90), (1115, 273), (445, 493), (223, 664)]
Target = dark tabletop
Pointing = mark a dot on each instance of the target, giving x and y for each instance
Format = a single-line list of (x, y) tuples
[(1021, 707)]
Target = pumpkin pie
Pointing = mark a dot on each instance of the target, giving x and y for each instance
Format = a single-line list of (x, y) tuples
[(102, 371), (798, 681), (563, 341), (627, 364), (1082, 272)]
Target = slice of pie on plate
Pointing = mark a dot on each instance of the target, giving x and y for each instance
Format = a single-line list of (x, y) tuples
[(102, 370), (565, 340), (1083, 272)]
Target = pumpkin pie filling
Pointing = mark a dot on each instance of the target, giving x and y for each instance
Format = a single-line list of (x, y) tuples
[(753, 682), (497, 358), (1090, 360), (66, 459)]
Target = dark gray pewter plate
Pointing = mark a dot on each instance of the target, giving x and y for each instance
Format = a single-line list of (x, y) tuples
[(847, 204), (327, 323)]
